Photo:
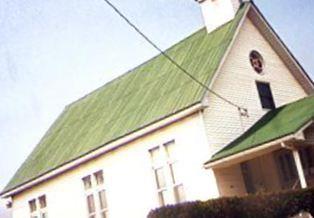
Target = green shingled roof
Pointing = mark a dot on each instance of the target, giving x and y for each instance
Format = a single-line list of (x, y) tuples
[(150, 92), (276, 124)]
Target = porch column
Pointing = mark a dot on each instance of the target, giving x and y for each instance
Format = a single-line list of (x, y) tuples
[(298, 164)]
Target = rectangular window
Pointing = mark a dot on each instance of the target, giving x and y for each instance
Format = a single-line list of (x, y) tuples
[(161, 197), (102, 203), (32, 205), (95, 195), (179, 193), (87, 182), (156, 156), (175, 171), (91, 205), (99, 177), (170, 148), (167, 173), (160, 178), (42, 206), (42, 202), (265, 95)]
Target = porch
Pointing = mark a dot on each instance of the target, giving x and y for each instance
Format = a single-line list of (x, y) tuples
[(289, 166), (276, 153), (269, 173)]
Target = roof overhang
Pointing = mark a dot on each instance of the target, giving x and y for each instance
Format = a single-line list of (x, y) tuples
[(105, 149), (257, 151)]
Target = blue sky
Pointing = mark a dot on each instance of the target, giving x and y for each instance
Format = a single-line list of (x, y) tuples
[(53, 52)]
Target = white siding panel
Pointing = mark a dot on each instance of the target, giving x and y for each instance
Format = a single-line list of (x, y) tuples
[(236, 81), (230, 181), (263, 173)]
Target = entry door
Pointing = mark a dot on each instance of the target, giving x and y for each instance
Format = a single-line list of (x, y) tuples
[(287, 169), (248, 178), (253, 176)]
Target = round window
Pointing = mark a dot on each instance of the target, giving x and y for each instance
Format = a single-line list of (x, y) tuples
[(257, 61)]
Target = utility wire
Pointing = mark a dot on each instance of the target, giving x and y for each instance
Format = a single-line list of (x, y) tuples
[(242, 111)]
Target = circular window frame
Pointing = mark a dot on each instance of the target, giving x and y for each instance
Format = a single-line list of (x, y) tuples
[(259, 63)]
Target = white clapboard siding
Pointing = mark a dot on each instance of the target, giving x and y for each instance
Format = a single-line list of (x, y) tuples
[(236, 81)]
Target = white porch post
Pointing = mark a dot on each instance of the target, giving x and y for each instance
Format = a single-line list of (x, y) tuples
[(298, 164)]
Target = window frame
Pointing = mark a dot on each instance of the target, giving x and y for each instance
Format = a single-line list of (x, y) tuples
[(103, 210), (33, 212), (39, 211), (90, 214), (171, 161), (43, 210), (94, 191), (261, 69), (161, 191), (171, 185), (262, 96)]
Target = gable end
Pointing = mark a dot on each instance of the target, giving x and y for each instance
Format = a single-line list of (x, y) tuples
[(281, 49)]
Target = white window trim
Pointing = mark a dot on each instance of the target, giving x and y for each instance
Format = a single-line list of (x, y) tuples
[(94, 191), (168, 174), (39, 211), (170, 163)]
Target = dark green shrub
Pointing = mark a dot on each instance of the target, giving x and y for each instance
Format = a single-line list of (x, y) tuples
[(272, 205)]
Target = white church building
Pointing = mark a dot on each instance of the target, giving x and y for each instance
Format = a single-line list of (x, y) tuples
[(154, 136)]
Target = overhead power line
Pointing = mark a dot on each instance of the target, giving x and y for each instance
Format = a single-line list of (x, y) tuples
[(242, 111)]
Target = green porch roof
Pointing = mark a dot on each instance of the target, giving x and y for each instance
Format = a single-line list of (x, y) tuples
[(276, 124), (146, 94)]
